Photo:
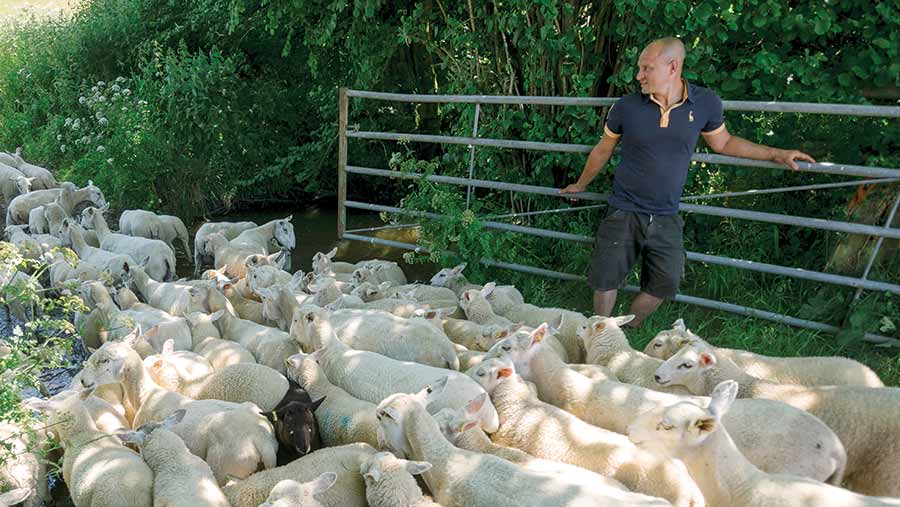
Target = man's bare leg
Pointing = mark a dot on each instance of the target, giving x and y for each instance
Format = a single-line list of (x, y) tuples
[(604, 301), (641, 307)]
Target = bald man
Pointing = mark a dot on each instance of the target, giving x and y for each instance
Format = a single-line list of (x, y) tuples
[(659, 128)]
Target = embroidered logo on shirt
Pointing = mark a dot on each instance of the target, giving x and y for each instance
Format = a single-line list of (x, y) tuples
[(690, 116)]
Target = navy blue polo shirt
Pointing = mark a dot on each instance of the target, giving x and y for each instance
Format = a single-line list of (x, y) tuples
[(657, 145)]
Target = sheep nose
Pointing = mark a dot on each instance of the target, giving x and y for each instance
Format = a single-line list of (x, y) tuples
[(656, 378)]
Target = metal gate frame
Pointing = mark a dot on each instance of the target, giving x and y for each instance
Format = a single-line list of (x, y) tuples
[(883, 175)]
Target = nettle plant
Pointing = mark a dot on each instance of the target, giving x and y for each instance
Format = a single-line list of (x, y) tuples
[(31, 346)]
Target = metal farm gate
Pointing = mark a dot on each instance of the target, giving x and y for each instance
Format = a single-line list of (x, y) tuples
[(875, 175)]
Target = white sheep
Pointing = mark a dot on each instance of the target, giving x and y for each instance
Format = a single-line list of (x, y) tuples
[(348, 489), (324, 264), (155, 256), (545, 431), (68, 196), (117, 265), (47, 219), (261, 277), (402, 339), (390, 481), (279, 304), (279, 232), (807, 371), (236, 383), (96, 465), (801, 443), (234, 439), (43, 179), (245, 308), (341, 418), (29, 246), (372, 377), (268, 345), (290, 493), (15, 497), (12, 183), (453, 279), (866, 419), (463, 478), (208, 343), (174, 298), (230, 230), (460, 429), (147, 224), (231, 257), (37, 222), (179, 477), (696, 435), (474, 336), (378, 273), (23, 467), (607, 345)]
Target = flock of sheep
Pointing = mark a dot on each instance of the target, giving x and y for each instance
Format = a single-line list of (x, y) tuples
[(251, 385)]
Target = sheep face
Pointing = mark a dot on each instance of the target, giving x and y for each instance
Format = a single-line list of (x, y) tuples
[(295, 425), (443, 277), (284, 234), (390, 433), (491, 373), (107, 364), (383, 463), (290, 493), (64, 410), (96, 196), (321, 262), (665, 344), (676, 430), (686, 367)]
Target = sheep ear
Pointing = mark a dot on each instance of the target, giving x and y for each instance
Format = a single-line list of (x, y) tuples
[(132, 338), (474, 406), (467, 296), (15, 496), (216, 315), (468, 425), (679, 325), (316, 403), (173, 419), (331, 253), (439, 385), (37, 404), (416, 467), (722, 397), (488, 289), (459, 269), (153, 331), (168, 347), (132, 437), (373, 473), (501, 334), (703, 425), (504, 372), (321, 483), (624, 319), (599, 324), (707, 359), (538, 335)]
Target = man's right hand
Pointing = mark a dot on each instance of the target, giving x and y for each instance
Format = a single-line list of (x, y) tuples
[(574, 188)]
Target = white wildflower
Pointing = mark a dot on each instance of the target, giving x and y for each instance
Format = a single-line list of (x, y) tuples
[(116, 88), (59, 137), (98, 115), (62, 148), (124, 108), (68, 122), (101, 148), (120, 79), (104, 122), (85, 140), (109, 161), (102, 98), (126, 92), (94, 89), (82, 100), (101, 83)]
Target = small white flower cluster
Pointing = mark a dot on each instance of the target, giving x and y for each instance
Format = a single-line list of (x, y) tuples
[(99, 104)]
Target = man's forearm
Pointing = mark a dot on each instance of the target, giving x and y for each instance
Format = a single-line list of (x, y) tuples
[(740, 147), (595, 163)]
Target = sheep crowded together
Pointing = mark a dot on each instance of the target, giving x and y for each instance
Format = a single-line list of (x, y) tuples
[(252, 384)]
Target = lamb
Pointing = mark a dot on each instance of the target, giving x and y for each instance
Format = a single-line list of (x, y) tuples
[(230, 257), (279, 231), (290, 493), (64, 266), (696, 435), (12, 278), (95, 465), (233, 439), (279, 304), (30, 246), (245, 308), (341, 418), (433, 297), (378, 273), (155, 256), (180, 478), (174, 298), (325, 290), (261, 277), (23, 468), (268, 345), (324, 264), (566, 321), (203, 256), (118, 265), (800, 444), (236, 383), (807, 371), (43, 179), (398, 307), (68, 196), (545, 431), (453, 279), (207, 342), (47, 219), (395, 337), (462, 478), (147, 224), (295, 424), (390, 481), (474, 336), (872, 441), (372, 377), (12, 183), (459, 428), (37, 223), (477, 308), (348, 489), (607, 345), (14, 497)]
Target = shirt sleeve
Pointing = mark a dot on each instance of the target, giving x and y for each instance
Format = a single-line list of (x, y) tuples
[(613, 126), (715, 121)]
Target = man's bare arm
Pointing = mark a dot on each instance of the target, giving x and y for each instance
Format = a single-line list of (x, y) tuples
[(726, 144), (595, 162)]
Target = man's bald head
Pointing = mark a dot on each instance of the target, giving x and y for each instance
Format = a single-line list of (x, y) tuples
[(670, 48)]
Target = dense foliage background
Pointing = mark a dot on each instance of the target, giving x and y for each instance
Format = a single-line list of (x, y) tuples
[(193, 106)]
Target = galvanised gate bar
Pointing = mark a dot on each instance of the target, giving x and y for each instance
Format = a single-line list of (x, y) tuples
[(881, 175)]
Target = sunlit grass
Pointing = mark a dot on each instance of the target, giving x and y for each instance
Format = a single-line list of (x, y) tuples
[(40, 8)]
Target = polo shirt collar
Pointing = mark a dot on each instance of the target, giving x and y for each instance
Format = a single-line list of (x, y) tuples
[(687, 93)]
